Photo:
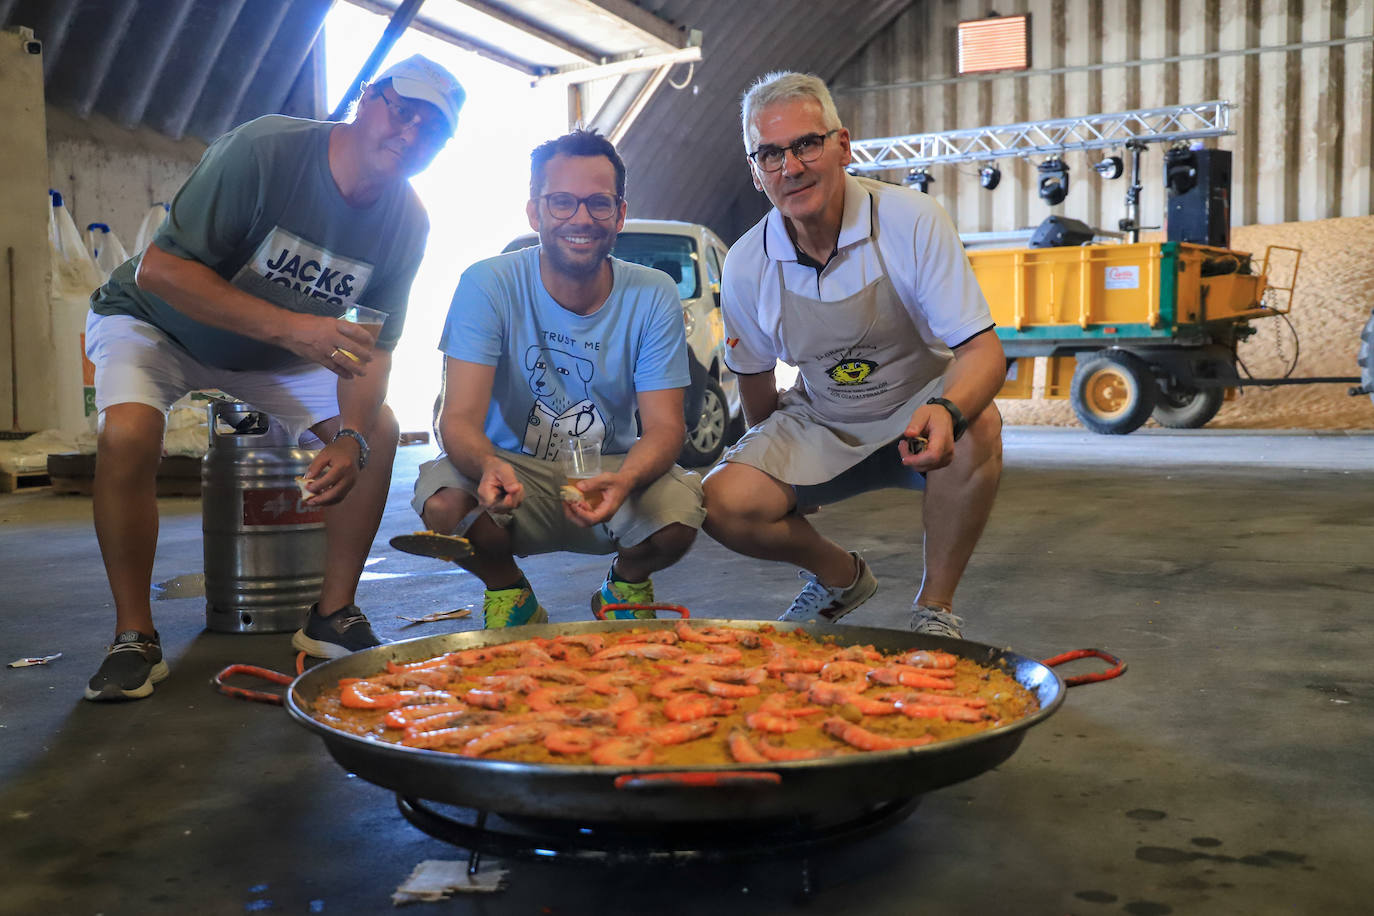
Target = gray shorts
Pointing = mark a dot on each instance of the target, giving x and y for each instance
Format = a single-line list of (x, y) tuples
[(538, 524)]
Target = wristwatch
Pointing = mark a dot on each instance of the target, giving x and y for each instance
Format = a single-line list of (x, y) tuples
[(362, 444), (955, 414)]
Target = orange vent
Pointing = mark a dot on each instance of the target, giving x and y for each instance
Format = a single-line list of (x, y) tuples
[(994, 44)]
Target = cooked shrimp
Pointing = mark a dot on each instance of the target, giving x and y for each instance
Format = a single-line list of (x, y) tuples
[(546, 698), (561, 674), (487, 699), (666, 637), (591, 643), (685, 707), (908, 677), (780, 753), (688, 633), (622, 752), (633, 721), (721, 655), (506, 736), (743, 750), (402, 716), (722, 689), (571, 740), (680, 732), (656, 651), (865, 740), (923, 659), (442, 737)]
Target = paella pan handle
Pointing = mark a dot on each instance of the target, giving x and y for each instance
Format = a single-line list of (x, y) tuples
[(1118, 666), (705, 780), (243, 693), (674, 608)]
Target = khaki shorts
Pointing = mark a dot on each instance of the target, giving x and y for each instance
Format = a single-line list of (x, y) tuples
[(538, 524)]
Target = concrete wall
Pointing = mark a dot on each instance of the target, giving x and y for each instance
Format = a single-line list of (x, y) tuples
[(26, 351), (1304, 118), (110, 174)]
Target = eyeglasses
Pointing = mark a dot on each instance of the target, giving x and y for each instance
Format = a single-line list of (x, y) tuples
[(563, 205), (403, 115), (806, 149)]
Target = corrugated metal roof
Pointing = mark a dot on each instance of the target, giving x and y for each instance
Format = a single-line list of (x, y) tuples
[(199, 67)]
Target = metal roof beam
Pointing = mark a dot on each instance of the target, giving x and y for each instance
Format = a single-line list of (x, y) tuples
[(619, 68), (94, 75), (457, 39), (156, 41), (658, 31), (533, 27), (171, 108)]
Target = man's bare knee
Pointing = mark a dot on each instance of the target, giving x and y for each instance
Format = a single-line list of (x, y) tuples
[(743, 495), (672, 541), (446, 508)]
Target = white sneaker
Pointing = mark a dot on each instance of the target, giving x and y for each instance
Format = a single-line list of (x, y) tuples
[(818, 604), (935, 621)]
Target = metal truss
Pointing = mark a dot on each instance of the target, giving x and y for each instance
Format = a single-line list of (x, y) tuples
[(1044, 138)]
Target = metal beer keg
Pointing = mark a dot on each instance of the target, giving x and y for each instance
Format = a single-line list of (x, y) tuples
[(264, 549)]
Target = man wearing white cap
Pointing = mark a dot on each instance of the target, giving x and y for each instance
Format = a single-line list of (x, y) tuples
[(283, 228)]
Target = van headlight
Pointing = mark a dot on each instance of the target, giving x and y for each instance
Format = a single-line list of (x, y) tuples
[(689, 321)]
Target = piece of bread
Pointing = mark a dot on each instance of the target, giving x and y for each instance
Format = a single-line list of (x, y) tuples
[(571, 494), (306, 495)]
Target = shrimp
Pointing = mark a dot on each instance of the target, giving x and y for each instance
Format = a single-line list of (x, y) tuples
[(508, 683), (438, 661), (666, 637), (721, 655), (442, 737), (915, 710), (487, 699), (780, 753), (795, 680), (402, 716), (546, 698), (658, 652), (865, 740), (839, 670), (506, 736), (571, 740), (728, 675), (685, 707), (688, 633), (591, 643), (722, 689), (613, 682), (752, 640), (924, 659), (837, 695), (743, 750), (665, 687), (908, 677), (633, 721), (680, 732), (363, 693), (562, 674), (621, 751)]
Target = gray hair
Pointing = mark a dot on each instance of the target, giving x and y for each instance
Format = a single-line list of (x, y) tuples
[(786, 86)]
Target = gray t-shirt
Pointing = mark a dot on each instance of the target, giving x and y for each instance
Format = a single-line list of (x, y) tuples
[(262, 210)]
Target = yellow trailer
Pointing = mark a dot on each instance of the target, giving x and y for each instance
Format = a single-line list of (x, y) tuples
[(1134, 330)]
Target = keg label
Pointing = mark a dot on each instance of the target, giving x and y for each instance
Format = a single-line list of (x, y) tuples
[(278, 506)]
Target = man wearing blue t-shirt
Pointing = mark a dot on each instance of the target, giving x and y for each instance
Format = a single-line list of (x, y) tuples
[(552, 343)]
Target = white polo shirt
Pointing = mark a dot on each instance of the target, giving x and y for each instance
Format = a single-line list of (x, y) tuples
[(924, 257)]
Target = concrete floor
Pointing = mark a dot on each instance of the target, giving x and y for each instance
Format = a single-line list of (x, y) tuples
[(1227, 772)]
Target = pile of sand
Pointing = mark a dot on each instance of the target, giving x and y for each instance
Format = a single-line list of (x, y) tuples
[(1332, 301)]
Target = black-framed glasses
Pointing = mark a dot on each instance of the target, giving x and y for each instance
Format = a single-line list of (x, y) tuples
[(563, 205), (403, 114), (806, 149)]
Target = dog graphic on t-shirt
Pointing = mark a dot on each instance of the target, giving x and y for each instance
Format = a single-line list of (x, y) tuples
[(562, 405)]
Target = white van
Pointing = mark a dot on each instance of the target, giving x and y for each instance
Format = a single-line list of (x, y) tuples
[(691, 255)]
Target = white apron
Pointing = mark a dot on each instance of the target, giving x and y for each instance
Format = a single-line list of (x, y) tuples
[(863, 370)]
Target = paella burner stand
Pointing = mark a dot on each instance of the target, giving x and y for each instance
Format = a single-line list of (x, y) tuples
[(570, 842)]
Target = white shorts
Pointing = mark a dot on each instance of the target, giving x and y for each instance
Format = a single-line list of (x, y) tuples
[(135, 363), (538, 524)]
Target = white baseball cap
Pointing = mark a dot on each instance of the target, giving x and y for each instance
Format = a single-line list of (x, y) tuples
[(418, 77)]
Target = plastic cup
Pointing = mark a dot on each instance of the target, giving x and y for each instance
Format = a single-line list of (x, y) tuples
[(581, 460), (369, 319)]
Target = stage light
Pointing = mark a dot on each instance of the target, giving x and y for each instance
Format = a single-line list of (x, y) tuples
[(989, 176), (921, 179), (1110, 168), (1054, 181)]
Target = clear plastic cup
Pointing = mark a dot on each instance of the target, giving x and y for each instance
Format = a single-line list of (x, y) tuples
[(581, 459), (369, 319)]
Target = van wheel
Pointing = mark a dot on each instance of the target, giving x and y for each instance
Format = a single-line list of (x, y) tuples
[(1188, 408), (1113, 392), (706, 440)]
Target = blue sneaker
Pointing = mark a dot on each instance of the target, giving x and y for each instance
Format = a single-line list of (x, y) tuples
[(612, 592), (511, 607)]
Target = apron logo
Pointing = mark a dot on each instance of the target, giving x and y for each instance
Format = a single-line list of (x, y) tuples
[(731, 341), (851, 371)]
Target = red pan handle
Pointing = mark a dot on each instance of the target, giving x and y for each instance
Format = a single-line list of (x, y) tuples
[(1118, 666), (243, 693), (674, 608), (705, 780)]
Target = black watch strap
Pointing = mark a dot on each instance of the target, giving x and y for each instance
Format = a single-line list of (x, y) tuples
[(358, 438), (955, 414)]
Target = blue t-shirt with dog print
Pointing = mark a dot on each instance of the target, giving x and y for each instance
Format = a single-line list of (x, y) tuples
[(559, 373)]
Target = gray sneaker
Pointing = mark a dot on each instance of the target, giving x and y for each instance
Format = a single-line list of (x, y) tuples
[(818, 604), (935, 621), (132, 665), (341, 633)]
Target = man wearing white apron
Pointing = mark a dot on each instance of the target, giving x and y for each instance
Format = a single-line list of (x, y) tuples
[(865, 288)]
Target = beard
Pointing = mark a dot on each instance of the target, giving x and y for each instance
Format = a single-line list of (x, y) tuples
[(581, 263)]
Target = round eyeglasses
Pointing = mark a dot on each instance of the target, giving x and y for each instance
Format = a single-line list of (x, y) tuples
[(563, 205), (403, 114), (806, 149)]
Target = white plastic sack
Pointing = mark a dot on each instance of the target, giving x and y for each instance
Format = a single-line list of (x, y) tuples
[(105, 248), (74, 277), (152, 221), (30, 456)]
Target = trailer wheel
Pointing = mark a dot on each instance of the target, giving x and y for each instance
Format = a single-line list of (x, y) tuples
[(1366, 359), (1188, 408), (1113, 392)]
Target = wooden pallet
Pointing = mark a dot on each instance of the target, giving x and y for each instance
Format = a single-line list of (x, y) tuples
[(178, 475), (9, 482)]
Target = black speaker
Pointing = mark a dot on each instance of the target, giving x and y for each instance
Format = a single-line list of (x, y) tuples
[(1059, 231), (1199, 189)]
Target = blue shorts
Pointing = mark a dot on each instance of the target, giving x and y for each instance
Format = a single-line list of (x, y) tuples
[(879, 471)]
